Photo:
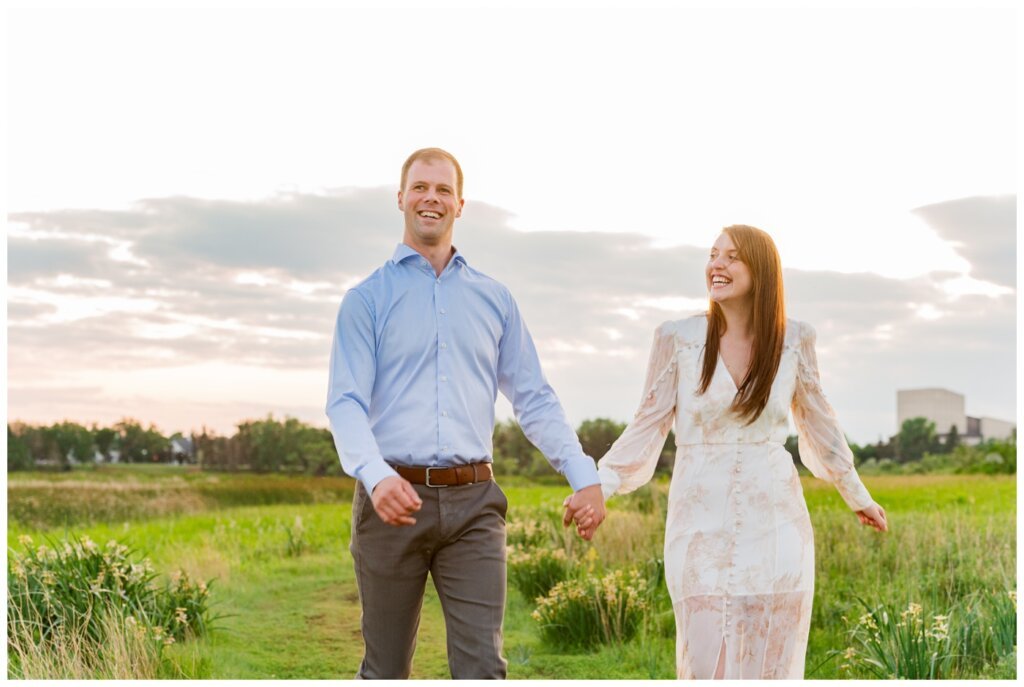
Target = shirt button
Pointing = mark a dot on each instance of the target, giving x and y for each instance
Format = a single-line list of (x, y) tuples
[(443, 378), (443, 311), (444, 413), (444, 345)]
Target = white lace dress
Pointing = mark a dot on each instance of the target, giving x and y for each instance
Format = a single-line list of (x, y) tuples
[(739, 551)]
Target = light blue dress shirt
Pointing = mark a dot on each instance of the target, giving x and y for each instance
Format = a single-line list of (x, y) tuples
[(416, 366)]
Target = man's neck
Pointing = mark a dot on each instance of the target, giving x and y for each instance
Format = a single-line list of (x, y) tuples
[(438, 256)]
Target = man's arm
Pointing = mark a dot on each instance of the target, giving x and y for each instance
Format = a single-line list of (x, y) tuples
[(353, 369), (542, 418)]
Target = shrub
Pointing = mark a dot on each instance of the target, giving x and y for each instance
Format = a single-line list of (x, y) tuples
[(906, 645), (582, 613), (891, 647), (76, 595), (296, 544), (535, 571), (525, 530)]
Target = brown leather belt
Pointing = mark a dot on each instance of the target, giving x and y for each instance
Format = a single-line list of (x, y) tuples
[(454, 476)]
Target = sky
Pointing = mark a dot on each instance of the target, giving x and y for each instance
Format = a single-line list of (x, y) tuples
[(191, 192)]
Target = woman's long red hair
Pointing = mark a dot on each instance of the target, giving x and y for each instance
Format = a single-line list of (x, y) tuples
[(768, 322)]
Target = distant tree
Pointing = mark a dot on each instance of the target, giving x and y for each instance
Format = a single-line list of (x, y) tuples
[(865, 452), (40, 442), (667, 459), (917, 437), (793, 446), (513, 452), (73, 440), (141, 445), (18, 456), (598, 435), (103, 438), (952, 439)]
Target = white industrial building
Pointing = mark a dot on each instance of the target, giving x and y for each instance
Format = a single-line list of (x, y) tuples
[(948, 409)]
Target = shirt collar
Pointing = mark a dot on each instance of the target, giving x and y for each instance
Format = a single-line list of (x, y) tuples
[(404, 252)]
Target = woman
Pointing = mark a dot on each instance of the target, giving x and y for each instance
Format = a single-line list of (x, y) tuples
[(739, 551)]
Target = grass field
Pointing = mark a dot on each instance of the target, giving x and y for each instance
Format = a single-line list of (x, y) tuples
[(283, 585)]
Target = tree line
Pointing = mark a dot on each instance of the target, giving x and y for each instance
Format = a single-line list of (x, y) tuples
[(289, 445)]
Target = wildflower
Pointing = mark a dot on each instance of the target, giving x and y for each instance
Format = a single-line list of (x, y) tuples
[(1013, 597), (913, 610), (850, 653), (25, 540), (88, 544), (168, 640), (180, 615), (48, 578), (868, 621)]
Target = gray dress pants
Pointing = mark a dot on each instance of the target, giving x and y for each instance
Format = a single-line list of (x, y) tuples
[(459, 539)]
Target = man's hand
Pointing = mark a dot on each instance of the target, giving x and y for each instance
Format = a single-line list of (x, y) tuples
[(395, 500), (586, 507)]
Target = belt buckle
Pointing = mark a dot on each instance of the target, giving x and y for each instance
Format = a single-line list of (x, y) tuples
[(436, 486)]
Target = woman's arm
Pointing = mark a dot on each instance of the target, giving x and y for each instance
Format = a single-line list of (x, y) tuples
[(823, 447), (631, 461)]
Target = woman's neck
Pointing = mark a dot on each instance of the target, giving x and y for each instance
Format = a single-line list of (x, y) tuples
[(737, 318)]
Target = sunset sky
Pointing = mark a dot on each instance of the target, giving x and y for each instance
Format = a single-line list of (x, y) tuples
[(190, 193)]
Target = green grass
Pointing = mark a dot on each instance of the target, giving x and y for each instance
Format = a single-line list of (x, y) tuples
[(298, 617)]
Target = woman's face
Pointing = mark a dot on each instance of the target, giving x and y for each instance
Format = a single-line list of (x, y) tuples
[(728, 277)]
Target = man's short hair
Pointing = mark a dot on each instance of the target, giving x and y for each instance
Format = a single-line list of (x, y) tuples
[(433, 154)]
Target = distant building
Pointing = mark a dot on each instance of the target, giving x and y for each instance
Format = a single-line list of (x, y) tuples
[(947, 409)]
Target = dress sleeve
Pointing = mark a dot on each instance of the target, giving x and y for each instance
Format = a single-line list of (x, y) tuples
[(631, 461), (823, 447)]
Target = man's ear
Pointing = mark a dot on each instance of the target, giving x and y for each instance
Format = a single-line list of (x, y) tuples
[(400, 205), (458, 213)]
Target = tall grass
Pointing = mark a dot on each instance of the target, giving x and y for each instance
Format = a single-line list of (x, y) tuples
[(75, 609), (584, 612), (951, 550)]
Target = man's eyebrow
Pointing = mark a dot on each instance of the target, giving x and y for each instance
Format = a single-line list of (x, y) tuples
[(442, 184)]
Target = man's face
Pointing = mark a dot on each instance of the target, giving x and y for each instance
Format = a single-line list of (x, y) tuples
[(429, 202)]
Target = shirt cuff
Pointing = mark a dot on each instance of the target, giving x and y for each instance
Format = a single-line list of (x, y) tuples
[(610, 482), (373, 473), (853, 491), (581, 472)]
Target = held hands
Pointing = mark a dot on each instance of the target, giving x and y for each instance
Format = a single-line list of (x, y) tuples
[(586, 507), (395, 501), (873, 516)]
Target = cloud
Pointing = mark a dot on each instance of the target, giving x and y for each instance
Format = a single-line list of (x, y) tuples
[(983, 230), (185, 283)]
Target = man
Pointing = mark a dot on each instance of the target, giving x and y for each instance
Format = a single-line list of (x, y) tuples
[(421, 348)]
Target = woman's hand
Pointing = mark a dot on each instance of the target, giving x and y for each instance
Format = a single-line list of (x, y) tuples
[(873, 516)]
